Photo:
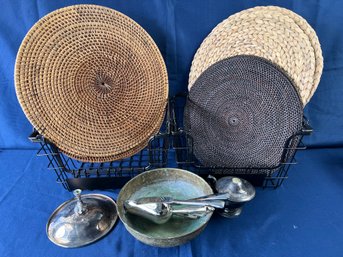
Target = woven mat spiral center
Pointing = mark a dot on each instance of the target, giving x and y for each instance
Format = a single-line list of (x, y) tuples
[(92, 81), (240, 113)]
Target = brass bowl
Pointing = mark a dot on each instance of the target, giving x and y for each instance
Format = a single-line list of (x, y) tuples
[(177, 183)]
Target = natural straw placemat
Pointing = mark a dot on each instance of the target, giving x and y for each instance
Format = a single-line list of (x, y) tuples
[(92, 81), (240, 113), (309, 31), (274, 33)]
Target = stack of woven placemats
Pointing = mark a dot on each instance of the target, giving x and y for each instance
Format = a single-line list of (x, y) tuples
[(248, 84), (93, 82)]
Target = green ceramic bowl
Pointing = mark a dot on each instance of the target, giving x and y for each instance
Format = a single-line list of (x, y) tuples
[(177, 183)]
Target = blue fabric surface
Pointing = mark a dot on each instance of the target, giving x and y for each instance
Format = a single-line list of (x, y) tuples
[(302, 218)]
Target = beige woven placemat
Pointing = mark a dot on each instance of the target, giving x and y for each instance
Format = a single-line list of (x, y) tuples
[(92, 81), (274, 33), (309, 31)]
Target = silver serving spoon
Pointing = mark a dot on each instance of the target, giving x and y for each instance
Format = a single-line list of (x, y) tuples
[(161, 212)]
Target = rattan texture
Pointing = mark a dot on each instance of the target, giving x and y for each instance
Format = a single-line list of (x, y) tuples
[(92, 81), (240, 113), (274, 33)]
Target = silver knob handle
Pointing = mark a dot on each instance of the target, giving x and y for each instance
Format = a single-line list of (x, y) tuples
[(80, 208)]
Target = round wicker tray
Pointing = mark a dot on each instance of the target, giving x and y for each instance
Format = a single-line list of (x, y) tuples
[(240, 113), (92, 81), (271, 32)]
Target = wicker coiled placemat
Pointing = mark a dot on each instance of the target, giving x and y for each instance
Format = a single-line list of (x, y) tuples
[(240, 113), (271, 32), (92, 81)]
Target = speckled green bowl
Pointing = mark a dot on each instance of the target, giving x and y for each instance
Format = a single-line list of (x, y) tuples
[(180, 184)]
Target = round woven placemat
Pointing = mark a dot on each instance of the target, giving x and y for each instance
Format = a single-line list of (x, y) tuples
[(271, 32), (240, 113), (92, 81)]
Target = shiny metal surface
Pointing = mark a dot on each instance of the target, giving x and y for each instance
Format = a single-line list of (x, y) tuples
[(237, 192), (230, 212), (157, 212), (81, 220), (190, 202), (160, 212), (217, 196), (194, 212), (177, 183)]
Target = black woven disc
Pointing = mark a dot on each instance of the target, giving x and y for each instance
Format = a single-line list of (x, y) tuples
[(240, 112)]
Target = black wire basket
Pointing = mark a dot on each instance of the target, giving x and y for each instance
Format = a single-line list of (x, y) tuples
[(73, 174)]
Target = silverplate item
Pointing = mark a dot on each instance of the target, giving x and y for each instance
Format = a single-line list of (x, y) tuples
[(170, 200), (237, 192), (217, 196), (82, 220), (193, 212), (177, 183), (161, 212)]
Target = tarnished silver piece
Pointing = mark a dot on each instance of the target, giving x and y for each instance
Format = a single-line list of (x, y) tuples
[(158, 213), (170, 200), (230, 212), (81, 220), (237, 192), (217, 196), (80, 208), (193, 212), (177, 183), (161, 212)]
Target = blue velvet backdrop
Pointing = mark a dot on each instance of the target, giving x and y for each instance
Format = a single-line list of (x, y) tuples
[(302, 218)]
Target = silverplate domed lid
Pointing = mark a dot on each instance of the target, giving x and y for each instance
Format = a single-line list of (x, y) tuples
[(239, 190), (81, 221)]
